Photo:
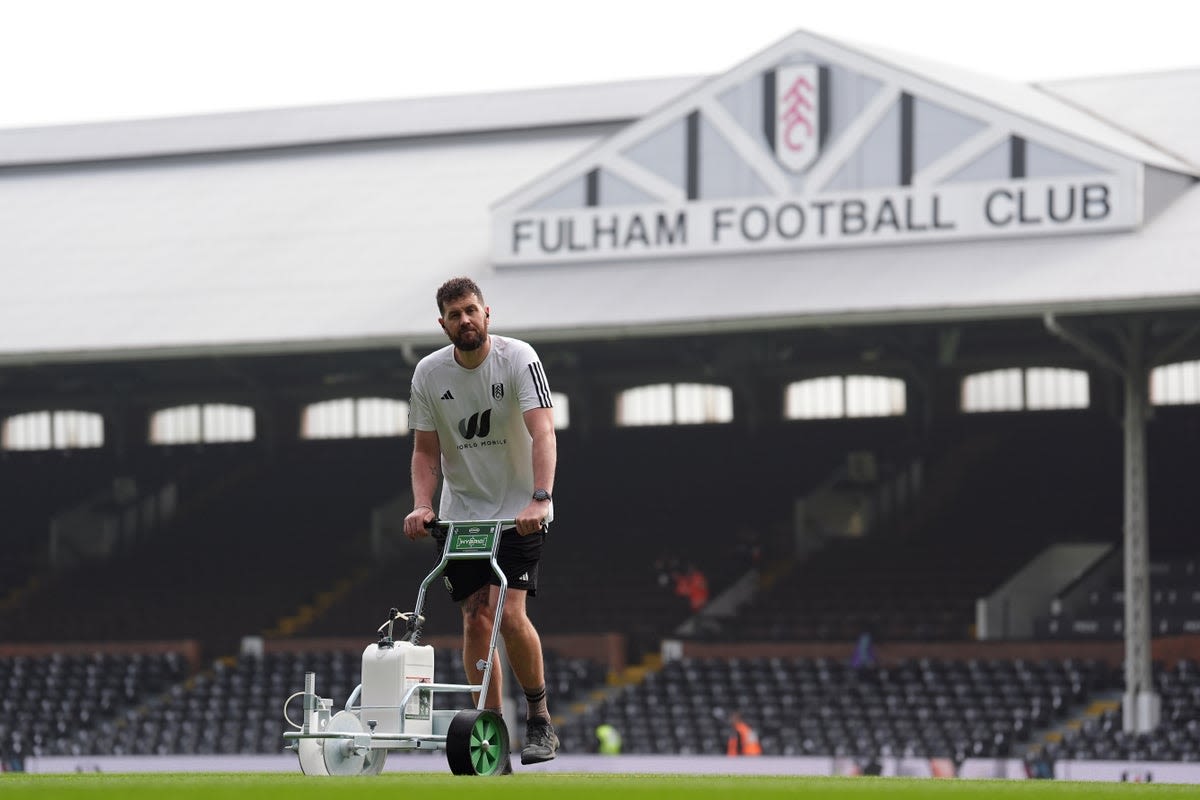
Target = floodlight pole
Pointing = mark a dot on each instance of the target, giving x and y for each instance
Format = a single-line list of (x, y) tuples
[(1142, 705)]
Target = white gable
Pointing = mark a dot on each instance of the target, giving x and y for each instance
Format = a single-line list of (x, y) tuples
[(813, 144)]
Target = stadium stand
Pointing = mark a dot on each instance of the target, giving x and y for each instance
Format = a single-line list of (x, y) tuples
[(992, 500), (303, 512), (1174, 604), (618, 516), (259, 537), (1099, 733), (79, 702), (94, 704), (141, 705), (936, 708), (33, 486), (930, 707)]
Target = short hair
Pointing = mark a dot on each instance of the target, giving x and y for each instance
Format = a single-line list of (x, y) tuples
[(454, 289)]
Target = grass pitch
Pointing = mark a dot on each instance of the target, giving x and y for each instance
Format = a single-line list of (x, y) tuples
[(559, 786)]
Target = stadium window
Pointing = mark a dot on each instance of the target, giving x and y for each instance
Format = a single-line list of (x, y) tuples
[(355, 417), (1034, 389), (209, 423), (874, 396), (837, 396), (998, 390), (1175, 384), (562, 410), (675, 404), (28, 431), (381, 416), (1047, 388), (225, 423), (53, 430), (815, 398)]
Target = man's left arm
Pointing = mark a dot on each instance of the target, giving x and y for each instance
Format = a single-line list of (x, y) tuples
[(540, 424)]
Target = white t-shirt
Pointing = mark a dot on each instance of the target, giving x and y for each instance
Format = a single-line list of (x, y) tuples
[(478, 414)]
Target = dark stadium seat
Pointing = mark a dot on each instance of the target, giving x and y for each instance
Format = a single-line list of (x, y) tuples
[(143, 705), (818, 707), (63, 704)]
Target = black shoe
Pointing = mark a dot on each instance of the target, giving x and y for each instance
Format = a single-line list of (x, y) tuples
[(541, 742)]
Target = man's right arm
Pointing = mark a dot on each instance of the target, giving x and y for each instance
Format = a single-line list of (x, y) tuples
[(426, 470)]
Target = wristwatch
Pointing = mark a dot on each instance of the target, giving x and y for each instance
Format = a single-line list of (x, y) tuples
[(541, 494)]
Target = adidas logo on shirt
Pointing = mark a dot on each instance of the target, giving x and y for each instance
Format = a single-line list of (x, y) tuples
[(447, 395)]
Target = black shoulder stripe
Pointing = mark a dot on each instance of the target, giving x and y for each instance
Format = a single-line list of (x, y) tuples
[(539, 384)]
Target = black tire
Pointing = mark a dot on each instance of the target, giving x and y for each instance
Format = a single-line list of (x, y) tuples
[(477, 743)]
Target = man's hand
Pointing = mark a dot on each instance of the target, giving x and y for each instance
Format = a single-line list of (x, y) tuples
[(415, 522), (532, 517)]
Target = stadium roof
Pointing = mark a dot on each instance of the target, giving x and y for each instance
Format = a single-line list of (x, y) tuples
[(329, 228)]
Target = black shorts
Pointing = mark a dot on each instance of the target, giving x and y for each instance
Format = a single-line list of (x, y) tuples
[(517, 555)]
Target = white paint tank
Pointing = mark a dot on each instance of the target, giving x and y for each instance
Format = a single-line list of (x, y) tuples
[(387, 673)]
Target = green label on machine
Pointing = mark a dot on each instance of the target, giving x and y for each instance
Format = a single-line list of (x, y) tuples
[(472, 539)]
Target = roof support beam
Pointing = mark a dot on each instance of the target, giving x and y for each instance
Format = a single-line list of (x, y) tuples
[(851, 139), (1142, 705), (765, 167)]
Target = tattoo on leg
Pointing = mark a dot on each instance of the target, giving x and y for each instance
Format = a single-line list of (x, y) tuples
[(476, 602)]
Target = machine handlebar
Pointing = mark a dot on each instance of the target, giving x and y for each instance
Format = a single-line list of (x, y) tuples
[(442, 526)]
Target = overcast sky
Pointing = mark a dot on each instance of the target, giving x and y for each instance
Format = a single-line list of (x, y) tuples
[(64, 61)]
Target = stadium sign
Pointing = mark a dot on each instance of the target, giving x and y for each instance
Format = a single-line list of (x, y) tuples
[(811, 145), (774, 224)]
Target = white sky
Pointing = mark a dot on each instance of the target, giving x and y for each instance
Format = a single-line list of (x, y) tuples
[(65, 61)]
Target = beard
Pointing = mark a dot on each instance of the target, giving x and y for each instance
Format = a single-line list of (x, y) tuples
[(469, 340)]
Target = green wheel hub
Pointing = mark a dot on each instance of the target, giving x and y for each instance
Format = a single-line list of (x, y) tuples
[(485, 755), (477, 743)]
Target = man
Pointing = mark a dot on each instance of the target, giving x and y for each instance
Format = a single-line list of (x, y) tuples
[(483, 423), (743, 740), (608, 740)]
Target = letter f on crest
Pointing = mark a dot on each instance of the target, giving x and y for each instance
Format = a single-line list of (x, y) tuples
[(797, 115)]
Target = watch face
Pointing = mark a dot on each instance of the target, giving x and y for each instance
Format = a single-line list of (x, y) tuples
[(541, 494)]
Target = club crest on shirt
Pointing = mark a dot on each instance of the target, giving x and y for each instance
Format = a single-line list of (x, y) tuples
[(498, 391)]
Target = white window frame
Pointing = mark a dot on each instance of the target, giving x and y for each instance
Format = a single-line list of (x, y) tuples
[(845, 396), (562, 410), (355, 418), (209, 423), (60, 429), (674, 404), (1025, 389), (1176, 384)]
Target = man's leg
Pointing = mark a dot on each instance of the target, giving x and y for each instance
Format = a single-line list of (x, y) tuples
[(479, 610), (524, 648)]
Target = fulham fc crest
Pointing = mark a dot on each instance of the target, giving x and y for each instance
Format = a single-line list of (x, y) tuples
[(797, 115), (498, 391)]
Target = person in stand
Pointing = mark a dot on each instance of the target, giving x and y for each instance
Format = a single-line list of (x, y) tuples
[(743, 741), (864, 652), (483, 426), (692, 585), (608, 740)]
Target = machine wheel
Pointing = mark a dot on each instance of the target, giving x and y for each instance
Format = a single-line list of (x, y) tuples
[(477, 743), (340, 756), (373, 763), (312, 757)]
